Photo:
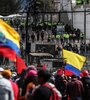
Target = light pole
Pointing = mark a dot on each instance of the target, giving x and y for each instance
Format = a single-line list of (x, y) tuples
[(26, 28), (71, 1), (85, 25), (29, 8)]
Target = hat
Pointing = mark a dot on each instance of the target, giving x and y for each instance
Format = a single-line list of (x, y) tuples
[(85, 72), (31, 67), (60, 72), (14, 74), (6, 73), (31, 73), (1, 69)]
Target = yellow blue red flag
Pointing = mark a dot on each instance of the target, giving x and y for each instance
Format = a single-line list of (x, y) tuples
[(74, 62), (9, 37), (10, 45)]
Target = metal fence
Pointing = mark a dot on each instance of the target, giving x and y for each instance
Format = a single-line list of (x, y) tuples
[(78, 19)]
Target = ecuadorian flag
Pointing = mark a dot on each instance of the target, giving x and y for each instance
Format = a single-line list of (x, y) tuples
[(10, 45), (9, 37), (74, 62)]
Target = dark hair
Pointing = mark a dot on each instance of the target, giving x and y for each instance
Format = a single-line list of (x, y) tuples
[(28, 80), (44, 74), (23, 73), (73, 76)]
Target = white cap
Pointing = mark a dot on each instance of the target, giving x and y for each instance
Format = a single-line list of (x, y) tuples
[(14, 74), (1, 69)]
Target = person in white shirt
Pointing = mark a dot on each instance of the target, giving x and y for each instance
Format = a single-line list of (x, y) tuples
[(6, 92)]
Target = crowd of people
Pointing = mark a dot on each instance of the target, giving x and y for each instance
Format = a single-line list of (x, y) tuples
[(52, 35), (31, 84), (34, 84), (70, 39)]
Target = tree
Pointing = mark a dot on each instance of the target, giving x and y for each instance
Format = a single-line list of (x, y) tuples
[(9, 7)]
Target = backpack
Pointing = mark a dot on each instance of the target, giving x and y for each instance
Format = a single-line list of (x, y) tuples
[(56, 95)]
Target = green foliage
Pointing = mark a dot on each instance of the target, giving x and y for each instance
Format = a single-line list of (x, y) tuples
[(81, 2), (9, 6)]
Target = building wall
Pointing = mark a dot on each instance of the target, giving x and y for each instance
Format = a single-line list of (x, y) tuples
[(78, 21), (60, 4), (56, 5), (78, 18)]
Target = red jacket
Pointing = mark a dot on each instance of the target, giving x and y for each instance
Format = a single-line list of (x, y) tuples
[(15, 90)]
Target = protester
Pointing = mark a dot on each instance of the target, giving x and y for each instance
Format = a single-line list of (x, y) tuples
[(6, 91), (86, 83), (31, 77), (7, 74), (61, 83), (42, 92), (20, 81), (29, 83), (75, 88)]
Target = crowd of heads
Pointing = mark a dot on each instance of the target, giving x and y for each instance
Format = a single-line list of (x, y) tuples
[(30, 82), (31, 77)]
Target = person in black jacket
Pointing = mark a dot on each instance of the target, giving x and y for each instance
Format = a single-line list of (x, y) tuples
[(86, 83), (42, 92)]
